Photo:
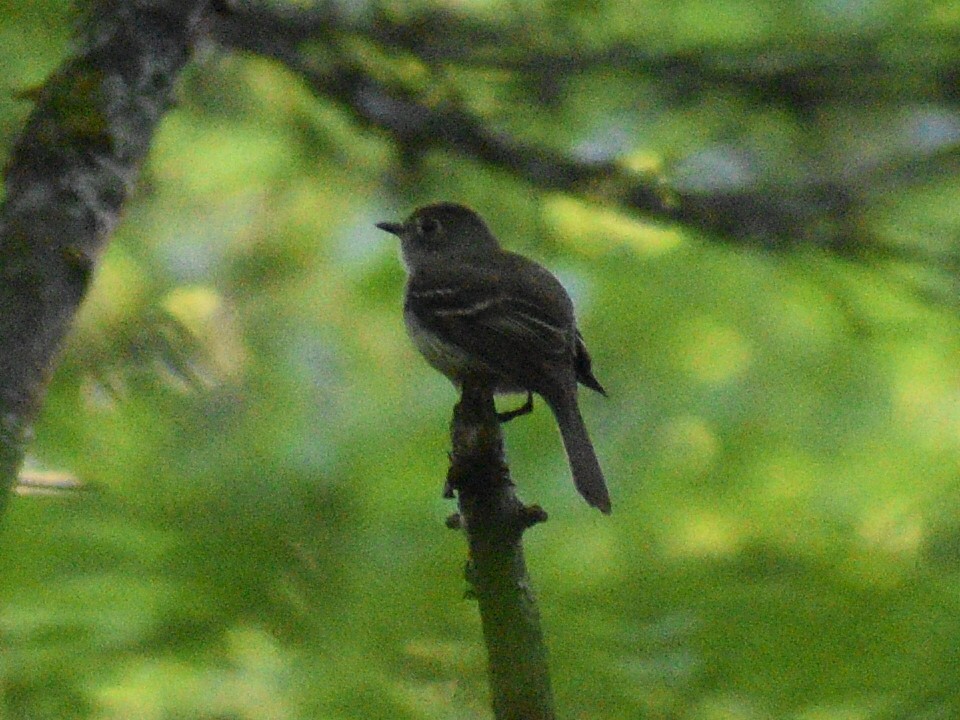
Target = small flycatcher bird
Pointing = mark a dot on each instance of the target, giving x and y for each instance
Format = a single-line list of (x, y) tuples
[(475, 309)]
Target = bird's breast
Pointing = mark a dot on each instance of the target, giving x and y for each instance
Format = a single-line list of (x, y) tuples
[(442, 355), (450, 359)]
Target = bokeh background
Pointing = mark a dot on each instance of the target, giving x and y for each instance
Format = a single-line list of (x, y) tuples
[(261, 534)]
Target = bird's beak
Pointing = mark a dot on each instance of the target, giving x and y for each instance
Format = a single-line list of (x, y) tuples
[(391, 227)]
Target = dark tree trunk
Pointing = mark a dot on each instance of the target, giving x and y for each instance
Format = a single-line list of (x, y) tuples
[(71, 171)]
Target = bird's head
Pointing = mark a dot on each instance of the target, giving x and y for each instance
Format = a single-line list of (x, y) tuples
[(444, 229)]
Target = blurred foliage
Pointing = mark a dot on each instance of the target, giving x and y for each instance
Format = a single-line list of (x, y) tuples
[(262, 531)]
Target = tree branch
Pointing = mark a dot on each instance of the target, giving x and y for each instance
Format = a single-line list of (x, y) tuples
[(494, 521), (824, 211), (69, 174), (818, 212)]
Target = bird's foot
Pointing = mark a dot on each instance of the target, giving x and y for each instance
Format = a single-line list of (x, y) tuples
[(525, 409)]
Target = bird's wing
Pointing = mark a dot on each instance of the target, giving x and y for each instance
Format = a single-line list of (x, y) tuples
[(583, 365), (515, 318)]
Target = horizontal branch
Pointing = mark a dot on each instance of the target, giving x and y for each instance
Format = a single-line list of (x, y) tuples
[(771, 216), (821, 212)]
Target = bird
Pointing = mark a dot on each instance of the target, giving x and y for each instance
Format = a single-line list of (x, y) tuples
[(475, 309)]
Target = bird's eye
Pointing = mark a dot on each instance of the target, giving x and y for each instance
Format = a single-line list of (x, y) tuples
[(429, 226)]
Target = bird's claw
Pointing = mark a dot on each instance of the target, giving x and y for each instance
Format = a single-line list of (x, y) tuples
[(525, 409)]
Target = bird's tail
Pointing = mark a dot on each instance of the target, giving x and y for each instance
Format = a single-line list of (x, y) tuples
[(587, 475)]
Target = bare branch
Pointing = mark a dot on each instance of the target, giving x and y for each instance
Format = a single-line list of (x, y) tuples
[(494, 521)]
